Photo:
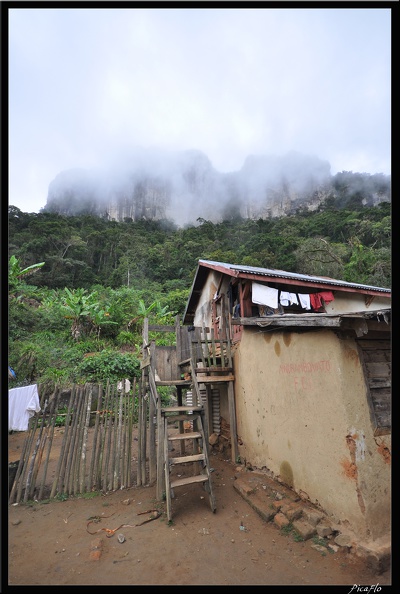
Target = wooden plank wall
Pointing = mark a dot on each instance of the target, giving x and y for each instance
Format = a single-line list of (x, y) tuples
[(377, 363)]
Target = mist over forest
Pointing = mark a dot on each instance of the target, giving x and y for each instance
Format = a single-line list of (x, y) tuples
[(184, 186)]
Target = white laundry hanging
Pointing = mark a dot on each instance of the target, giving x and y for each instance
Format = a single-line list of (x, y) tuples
[(23, 402), (264, 295)]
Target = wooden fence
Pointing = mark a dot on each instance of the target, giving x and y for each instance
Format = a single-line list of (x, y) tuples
[(94, 449)]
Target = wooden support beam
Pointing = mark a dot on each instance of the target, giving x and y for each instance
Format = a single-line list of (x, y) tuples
[(232, 422), (174, 383), (214, 379), (300, 320)]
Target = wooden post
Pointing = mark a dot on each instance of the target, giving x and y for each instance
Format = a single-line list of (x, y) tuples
[(107, 439), (95, 448), (142, 417), (178, 341), (161, 460), (143, 443), (152, 416), (53, 421), (139, 458), (131, 415), (85, 438), (232, 422), (29, 486), (62, 461), (79, 440), (103, 432)]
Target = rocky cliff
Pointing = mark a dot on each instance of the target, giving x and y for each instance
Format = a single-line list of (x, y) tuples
[(184, 186)]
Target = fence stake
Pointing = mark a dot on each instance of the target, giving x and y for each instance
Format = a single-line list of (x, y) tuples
[(92, 478), (89, 389), (62, 461), (50, 442)]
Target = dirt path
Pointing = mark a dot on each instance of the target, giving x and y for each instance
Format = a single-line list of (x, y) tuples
[(50, 543)]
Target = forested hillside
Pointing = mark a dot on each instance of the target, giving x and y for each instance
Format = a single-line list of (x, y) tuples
[(100, 277)]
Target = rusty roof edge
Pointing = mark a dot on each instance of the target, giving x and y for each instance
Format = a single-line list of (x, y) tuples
[(254, 272)]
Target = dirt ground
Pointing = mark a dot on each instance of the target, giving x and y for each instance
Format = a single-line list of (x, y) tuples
[(77, 541)]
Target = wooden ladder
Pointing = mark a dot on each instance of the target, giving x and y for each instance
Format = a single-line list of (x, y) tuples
[(197, 461)]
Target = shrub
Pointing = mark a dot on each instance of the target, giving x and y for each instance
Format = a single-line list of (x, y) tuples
[(109, 365)]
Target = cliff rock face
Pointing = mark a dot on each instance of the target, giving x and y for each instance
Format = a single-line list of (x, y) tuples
[(184, 186)]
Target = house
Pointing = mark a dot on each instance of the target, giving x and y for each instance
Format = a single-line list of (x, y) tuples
[(312, 384)]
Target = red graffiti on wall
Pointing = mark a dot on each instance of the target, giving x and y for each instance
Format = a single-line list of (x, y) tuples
[(306, 367)]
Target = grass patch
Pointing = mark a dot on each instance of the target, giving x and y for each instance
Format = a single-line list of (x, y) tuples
[(90, 495), (290, 530), (61, 497), (297, 537), (320, 541), (286, 530)]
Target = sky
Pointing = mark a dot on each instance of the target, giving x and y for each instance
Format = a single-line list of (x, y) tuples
[(88, 85)]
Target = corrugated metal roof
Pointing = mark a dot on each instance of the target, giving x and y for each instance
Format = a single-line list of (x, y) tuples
[(271, 272), (279, 277)]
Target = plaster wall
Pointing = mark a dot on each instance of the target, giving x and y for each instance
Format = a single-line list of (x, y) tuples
[(355, 302), (203, 309), (302, 414)]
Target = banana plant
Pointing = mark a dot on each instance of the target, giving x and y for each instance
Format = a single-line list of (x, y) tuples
[(16, 273), (85, 311), (99, 317), (78, 306), (143, 312)]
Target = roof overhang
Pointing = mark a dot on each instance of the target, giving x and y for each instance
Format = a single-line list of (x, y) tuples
[(285, 280), (349, 321)]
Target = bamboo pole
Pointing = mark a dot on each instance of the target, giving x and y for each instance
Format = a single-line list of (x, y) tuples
[(118, 438), (21, 464), (33, 457), (38, 459), (95, 449), (104, 420), (74, 442), (62, 461), (50, 443), (161, 460), (144, 437), (71, 464), (152, 415), (139, 481), (130, 435), (103, 431), (108, 436), (16, 489), (114, 441), (85, 439), (78, 452), (26, 460), (124, 439)]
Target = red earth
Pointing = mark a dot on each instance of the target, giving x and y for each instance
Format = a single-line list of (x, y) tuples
[(104, 539)]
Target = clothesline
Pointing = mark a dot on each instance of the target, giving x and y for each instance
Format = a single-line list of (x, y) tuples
[(264, 295)]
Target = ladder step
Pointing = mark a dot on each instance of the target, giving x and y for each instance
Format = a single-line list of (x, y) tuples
[(182, 459), (215, 379), (199, 458), (188, 417), (213, 369), (182, 409), (191, 435), (198, 478)]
